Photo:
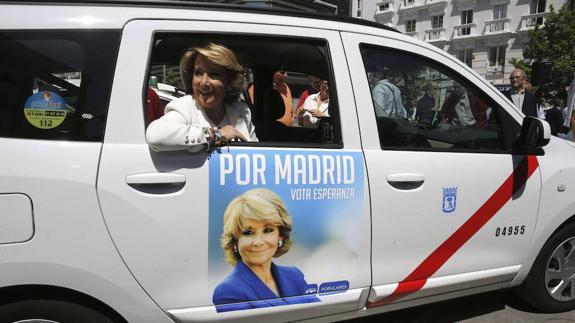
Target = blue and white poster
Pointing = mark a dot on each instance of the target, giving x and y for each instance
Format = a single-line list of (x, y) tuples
[(284, 225)]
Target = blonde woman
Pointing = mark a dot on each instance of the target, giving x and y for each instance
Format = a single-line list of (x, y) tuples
[(211, 113), (257, 229)]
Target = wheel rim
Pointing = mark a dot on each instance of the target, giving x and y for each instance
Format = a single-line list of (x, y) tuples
[(560, 272)]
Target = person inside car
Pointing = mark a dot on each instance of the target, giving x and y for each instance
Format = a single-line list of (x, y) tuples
[(316, 106), (211, 113), (314, 85)]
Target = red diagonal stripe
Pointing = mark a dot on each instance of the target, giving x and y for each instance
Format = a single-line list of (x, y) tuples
[(418, 277)]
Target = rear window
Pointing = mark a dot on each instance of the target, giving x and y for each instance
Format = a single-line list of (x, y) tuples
[(56, 84)]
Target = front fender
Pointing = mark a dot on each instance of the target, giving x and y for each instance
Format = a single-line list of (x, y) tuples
[(557, 205)]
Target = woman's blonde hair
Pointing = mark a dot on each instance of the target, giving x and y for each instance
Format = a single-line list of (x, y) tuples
[(258, 204), (220, 55)]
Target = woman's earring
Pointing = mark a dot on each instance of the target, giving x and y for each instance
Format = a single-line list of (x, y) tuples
[(235, 249), (280, 243)]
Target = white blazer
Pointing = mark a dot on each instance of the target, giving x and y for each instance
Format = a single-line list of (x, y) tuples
[(182, 125)]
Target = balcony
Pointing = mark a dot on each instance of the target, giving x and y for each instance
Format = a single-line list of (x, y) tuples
[(384, 16), (497, 26), (494, 70), (410, 7), (532, 20), (462, 4), (381, 4), (435, 7), (464, 31), (435, 35), (413, 34)]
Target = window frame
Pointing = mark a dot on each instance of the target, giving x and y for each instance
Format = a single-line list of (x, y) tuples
[(467, 56), (467, 16), (85, 110), (384, 6), (499, 60), (410, 25), (509, 128), (500, 12), (334, 106), (437, 21)]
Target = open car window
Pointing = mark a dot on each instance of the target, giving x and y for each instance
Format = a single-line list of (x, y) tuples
[(275, 113)]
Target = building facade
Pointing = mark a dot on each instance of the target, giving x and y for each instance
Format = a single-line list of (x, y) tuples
[(484, 34)]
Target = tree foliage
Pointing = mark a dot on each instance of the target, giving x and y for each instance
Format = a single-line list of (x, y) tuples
[(554, 43)]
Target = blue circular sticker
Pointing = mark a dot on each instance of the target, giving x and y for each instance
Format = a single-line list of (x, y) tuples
[(45, 110)]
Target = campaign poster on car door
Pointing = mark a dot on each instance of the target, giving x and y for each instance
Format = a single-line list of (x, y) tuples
[(284, 226)]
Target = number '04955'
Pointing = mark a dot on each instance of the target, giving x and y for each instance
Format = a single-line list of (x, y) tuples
[(510, 231)]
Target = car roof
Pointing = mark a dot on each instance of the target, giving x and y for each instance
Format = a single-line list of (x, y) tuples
[(178, 4)]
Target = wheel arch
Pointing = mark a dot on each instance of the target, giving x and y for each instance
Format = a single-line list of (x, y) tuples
[(11, 294)]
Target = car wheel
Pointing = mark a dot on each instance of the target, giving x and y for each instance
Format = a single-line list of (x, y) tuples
[(49, 311), (550, 285)]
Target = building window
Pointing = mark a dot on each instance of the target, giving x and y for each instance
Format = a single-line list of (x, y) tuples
[(466, 56), (384, 6), (437, 22), (410, 26), (409, 2), (500, 12), (359, 5), (497, 55), (537, 6), (466, 18)]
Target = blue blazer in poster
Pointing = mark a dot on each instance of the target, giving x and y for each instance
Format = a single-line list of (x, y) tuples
[(242, 289), (323, 193)]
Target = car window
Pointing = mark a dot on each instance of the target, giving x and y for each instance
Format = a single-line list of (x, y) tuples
[(276, 112), (422, 105), (56, 84)]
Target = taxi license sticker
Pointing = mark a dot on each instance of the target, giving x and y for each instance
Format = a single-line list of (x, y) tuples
[(45, 110)]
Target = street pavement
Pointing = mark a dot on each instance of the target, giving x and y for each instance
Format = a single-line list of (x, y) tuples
[(494, 307)]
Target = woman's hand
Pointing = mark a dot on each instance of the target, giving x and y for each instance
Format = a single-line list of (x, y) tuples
[(317, 113), (230, 133)]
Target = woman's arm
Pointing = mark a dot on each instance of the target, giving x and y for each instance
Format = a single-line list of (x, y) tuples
[(176, 130)]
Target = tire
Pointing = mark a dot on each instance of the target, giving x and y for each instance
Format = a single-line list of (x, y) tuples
[(550, 285), (49, 311)]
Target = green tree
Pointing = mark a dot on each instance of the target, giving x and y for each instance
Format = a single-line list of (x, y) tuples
[(553, 43), (172, 77)]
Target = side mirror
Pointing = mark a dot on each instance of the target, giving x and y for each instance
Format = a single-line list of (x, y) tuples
[(535, 133)]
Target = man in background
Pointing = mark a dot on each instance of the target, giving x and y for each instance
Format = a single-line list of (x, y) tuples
[(523, 99)]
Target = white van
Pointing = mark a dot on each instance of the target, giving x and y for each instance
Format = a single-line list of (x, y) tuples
[(451, 193)]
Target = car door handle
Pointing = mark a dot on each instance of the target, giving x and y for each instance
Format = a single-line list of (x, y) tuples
[(405, 181), (157, 183)]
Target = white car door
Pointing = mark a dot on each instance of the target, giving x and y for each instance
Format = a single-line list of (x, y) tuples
[(452, 207), (164, 209)]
